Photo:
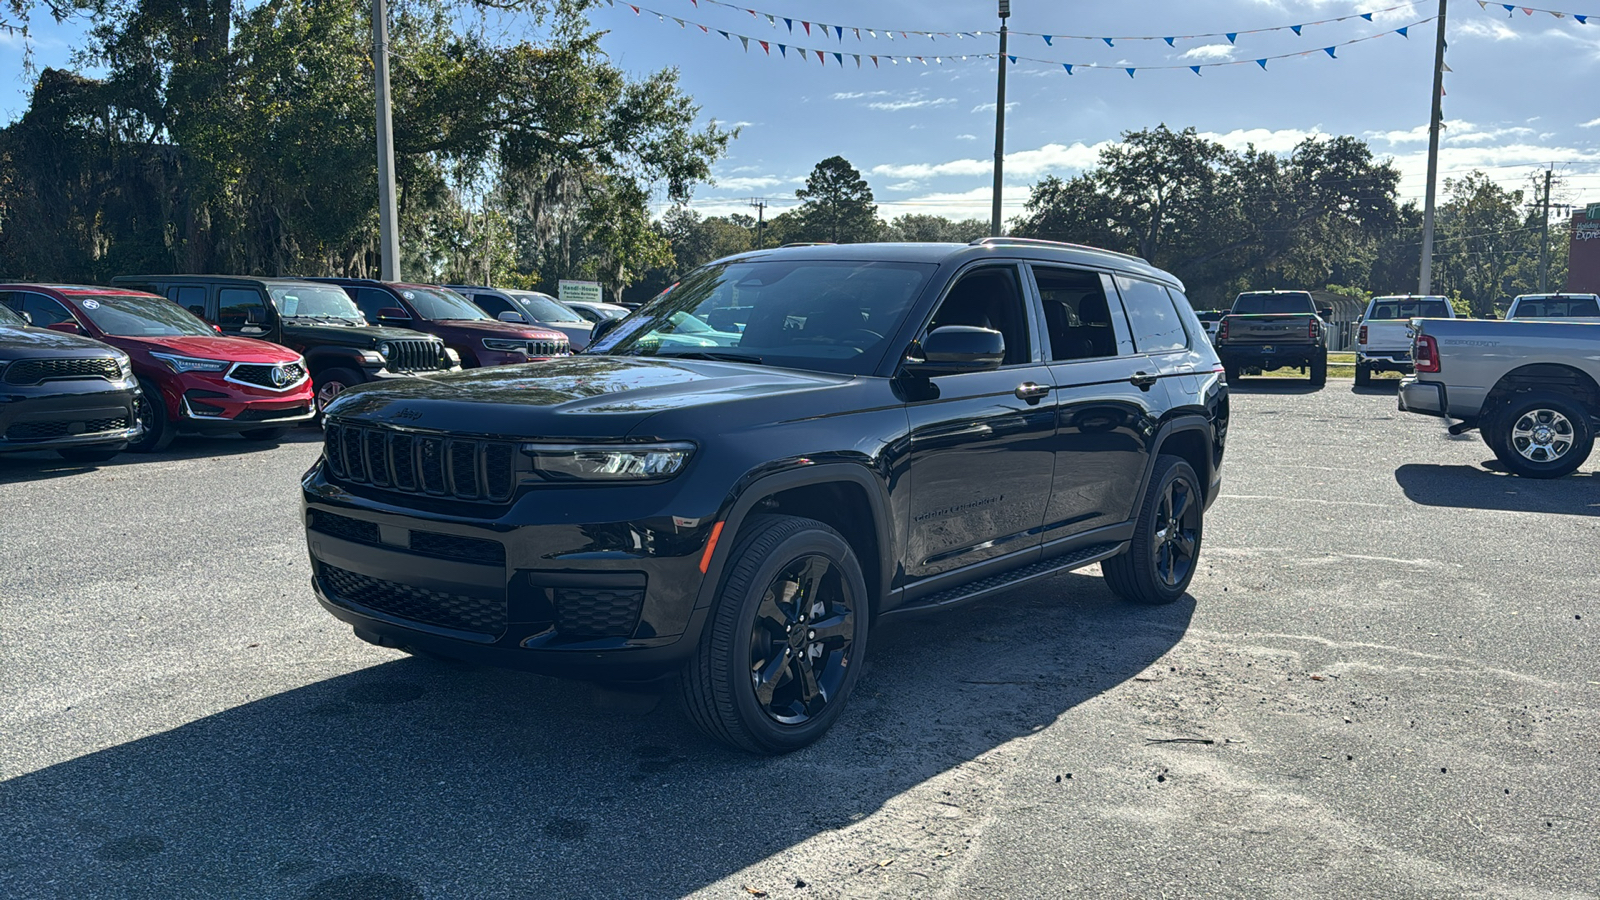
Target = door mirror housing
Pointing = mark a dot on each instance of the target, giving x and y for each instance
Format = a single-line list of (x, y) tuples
[(1325, 311), (602, 328), (956, 349), (512, 315), (393, 314), (66, 327)]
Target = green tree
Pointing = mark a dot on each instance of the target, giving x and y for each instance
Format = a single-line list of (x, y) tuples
[(1482, 235), (836, 206), (937, 229)]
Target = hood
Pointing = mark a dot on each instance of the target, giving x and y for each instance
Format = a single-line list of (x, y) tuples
[(580, 396), (234, 349), (365, 337), (577, 332), (492, 329), (35, 343)]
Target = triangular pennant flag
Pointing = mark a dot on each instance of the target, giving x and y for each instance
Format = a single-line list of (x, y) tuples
[(1509, 8), (1231, 35), (790, 23), (1527, 11), (1108, 42), (705, 29), (725, 36), (764, 46), (1196, 69), (1328, 50), (1582, 20), (1367, 16), (839, 30), (921, 60), (678, 20), (1483, 4), (773, 21), (696, 3), (840, 58), (1447, 67), (1012, 58), (1169, 42), (1129, 71), (1068, 67), (871, 32), (890, 35), (821, 58), (807, 26), (1262, 63), (874, 61), (783, 51), (858, 59), (858, 33), (1049, 40), (1296, 28), (745, 43), (1403, 31), (635, 9)]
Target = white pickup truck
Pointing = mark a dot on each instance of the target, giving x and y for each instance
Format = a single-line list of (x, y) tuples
[(1383, 340), (1576, 307)]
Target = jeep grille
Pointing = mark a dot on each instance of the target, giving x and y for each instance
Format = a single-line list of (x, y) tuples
[(423, 463)]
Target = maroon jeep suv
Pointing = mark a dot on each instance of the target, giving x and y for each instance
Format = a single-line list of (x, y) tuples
[(477, 337)]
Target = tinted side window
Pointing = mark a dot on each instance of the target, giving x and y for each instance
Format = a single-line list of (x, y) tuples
[(989, 298), (1077, 313), (190, 296), (493, 305), (1154, 320), (371, 300), (44, 310), (238, 307)]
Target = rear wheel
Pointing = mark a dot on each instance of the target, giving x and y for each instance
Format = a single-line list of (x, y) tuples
[(1230, 373), (1363, 375), (151, 411), (1161, 559), (1319, 370), (1543, 435), (330, 383), (783, 648)]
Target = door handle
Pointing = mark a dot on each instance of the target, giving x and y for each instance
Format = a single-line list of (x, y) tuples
[(1143, 380), (1032, 392)]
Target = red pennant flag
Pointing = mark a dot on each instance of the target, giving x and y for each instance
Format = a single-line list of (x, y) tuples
[(1527, 11), (808, 28), (635, 9), (819, 57), (874, 62), (705, 29), (765, 47)]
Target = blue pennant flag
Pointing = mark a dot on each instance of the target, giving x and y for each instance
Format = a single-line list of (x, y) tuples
[(1048, 40), (1232, 35), (783, 51), (1130, 72), (1262, 63), (1367, 16), (1108, 42), (1012, 58), (1068, 67), (790, 23), (839, 31), (1402, 31), (1582, 20), (725, 34), (1169, 42), (1509, 8), (1296, 28), (1196, 69), (1327, 50), (840, 58)]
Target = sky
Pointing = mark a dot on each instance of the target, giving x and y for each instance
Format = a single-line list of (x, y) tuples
[(1519, 97)]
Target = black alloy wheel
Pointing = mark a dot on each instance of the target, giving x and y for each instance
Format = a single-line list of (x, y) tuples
[(1165, 550), (1319, 370), (783, 648), (151, 412)]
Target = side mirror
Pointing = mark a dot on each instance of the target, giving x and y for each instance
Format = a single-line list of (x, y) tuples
[(66, 327), (602, 328), (1326, 312), (955, 349), (393, 314), (513, 316)]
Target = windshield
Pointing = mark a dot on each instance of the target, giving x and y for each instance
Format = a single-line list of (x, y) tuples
[(141, 317), (543, 307), (827, 316), (442, 304), (1273, 304), (1557, 307), (9, 319), (1410, 308), (315, 302)]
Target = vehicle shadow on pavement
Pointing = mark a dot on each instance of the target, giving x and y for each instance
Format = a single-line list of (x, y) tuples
[(1261, 385), (1380, 387), (1471, 487), (43, 465), (415, 779)]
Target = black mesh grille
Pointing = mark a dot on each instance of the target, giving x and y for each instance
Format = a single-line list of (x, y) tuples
[(267, 415), (464, 468), (465, 549), (482, 615), (33, 431), (345, 527), (412, 356), (261, 375), (34, 371), (597, 612)]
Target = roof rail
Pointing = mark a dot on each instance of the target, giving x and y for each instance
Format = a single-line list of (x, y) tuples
[(1041, 242), (807, 244)]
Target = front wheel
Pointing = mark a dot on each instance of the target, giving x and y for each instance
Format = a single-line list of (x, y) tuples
[(151, 411), (330, 383), (784, 645), (1544, 435), (1161, 558)]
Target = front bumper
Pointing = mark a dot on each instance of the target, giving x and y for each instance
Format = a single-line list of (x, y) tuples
[(67, 415), (1424, 397), (519, 586)]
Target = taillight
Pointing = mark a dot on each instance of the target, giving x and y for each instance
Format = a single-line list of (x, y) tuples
[(1362, 337), (1222, 329), (1425, 354), (1311, 328)]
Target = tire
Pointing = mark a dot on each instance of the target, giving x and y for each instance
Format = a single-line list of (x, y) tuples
[(89, 454), (263, 434), (720, 684), (1540, 435), (1363, 376), (1150, 572), (330, 383), (1230, 373), (1319, 370), (152, 412)]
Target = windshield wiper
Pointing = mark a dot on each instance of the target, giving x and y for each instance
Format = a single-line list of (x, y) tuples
[(717, 355)]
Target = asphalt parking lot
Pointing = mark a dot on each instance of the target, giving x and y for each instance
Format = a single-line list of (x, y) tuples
[(1382, 684)]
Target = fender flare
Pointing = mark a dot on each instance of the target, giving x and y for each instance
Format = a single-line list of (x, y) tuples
[(1179, 425), (319, 359), (754, 488)]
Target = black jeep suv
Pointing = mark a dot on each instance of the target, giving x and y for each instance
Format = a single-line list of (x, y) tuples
[(875, 430)]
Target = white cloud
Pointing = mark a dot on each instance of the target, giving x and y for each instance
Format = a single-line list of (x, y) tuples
[(990, 107), (758, 183), (973, 137), (904, 186), (1590, 124), (972, 204), (1494, 31), (1050, 158), (857, 95), (1209, 52), (1268, 140), (896, 105)]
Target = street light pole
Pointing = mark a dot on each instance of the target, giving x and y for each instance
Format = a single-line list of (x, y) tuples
[(388, 216), (1425, 284), (1000, 122)]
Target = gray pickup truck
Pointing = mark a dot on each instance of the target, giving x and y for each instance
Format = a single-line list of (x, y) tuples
[(1269, 330), (1532, 389)]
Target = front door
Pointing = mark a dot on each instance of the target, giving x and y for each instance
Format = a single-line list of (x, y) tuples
[(981, 457)]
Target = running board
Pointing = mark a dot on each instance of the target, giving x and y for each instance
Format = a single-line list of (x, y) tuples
[(1005, 581)]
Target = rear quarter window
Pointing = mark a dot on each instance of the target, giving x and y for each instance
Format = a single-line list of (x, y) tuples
[(1157, 327)]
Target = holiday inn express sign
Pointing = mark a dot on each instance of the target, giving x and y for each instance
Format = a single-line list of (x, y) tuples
[(1583, 258)]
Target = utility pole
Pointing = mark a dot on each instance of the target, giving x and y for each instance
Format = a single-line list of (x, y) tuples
[(388, 216), (761, 223), (1000, 122), (1544, 235), (1425, 285)]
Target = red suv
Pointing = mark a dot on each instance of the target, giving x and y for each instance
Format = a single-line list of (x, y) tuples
[(477, 337), (193, 379)]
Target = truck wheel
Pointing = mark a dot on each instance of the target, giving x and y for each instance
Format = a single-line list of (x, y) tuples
[(330, 383), (1544, 435), (1165, 549), (1230, 373), (783, 647), (1319, 370), (151, 412), (1363, 376)]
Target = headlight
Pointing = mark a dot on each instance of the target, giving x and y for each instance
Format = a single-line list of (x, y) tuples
[(124, 368), (181, 364), (504, 345), (373, 357), (609, 462), (385, 349)]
